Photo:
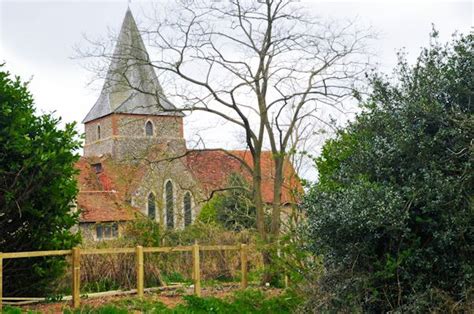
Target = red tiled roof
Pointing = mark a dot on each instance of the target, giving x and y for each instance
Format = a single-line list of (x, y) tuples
[(101, 197), (213, 167), (101, 206)]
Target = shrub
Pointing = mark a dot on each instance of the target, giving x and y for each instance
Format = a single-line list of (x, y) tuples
[(37, 189), (233, 209), (392, 212), (117, 271)]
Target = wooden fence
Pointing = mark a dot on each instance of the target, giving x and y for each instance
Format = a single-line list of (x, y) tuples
[(76, 254)]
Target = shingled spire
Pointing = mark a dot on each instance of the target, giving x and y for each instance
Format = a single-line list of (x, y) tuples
[(131, 85)]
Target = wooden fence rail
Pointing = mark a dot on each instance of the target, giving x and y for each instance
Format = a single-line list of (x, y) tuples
[(76, 253)]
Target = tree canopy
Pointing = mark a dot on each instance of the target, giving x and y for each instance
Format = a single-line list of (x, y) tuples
[(392, 212), (37, 188)]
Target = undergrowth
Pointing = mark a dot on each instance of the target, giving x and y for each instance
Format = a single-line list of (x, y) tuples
[(247, 301)]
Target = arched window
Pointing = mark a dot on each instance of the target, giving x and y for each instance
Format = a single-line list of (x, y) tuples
[(169, 204), (187, 209), (151, 206), (149, 129), (98, 132)]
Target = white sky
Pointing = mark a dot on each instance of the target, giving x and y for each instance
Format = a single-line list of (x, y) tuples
[(37, 40)]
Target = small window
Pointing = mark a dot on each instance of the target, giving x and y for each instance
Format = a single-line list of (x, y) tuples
[(151, 206), (99, 233), (98, 132), (149, 128), (106, 231), (169, 201), (187, 209), (97, 167)]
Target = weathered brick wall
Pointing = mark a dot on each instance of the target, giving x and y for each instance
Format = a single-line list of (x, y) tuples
[(105, 130), (134, 149), (98, 148), (164, 126), (87, 232), (123, 136), (154, 181)]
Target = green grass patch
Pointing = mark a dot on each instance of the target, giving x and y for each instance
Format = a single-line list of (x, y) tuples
[(100, 286), (246, 301), (175, 277)]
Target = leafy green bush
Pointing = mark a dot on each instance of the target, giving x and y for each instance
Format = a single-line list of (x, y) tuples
[(208, 213), (143, 231), (392, 212), (37, 189), (233, 209)]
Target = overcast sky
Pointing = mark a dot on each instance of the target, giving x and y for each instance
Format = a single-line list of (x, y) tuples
[(37, 40)]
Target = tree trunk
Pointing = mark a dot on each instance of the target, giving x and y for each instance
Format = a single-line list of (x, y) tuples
[(257, 190), (277, 188)]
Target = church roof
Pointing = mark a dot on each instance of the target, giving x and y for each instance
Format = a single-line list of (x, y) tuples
[(131, 85), (212, 169), (103, 196)]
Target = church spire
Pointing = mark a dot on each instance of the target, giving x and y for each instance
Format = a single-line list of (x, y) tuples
[(131, 85)]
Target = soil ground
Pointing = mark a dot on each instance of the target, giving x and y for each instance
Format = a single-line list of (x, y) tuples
[(170, 298)]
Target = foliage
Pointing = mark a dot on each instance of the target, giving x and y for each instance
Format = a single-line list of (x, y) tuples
[(208, 213), (117, 271), (291, 259), (392, 212), (105, 284), (37, 188), (248, 301), (143, 231), (234, 208)]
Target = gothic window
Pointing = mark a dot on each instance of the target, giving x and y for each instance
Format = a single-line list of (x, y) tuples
[(151, 206), (98, 132), (169, 199), (149, 128), (187, 209)]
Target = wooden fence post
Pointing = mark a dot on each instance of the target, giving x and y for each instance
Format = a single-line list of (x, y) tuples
[(196, 270), (140, 272), (76, 277), (1, 281), (243, 265)]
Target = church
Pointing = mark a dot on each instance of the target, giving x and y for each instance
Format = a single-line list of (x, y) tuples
[(135, 161)]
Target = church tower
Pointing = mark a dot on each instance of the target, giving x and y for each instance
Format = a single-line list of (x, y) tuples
[(132, 113)]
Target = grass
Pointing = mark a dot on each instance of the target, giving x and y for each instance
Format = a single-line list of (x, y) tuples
[(247, 301), (99, 286)]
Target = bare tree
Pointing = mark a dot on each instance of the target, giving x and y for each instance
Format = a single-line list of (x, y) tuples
[(266, 67)]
